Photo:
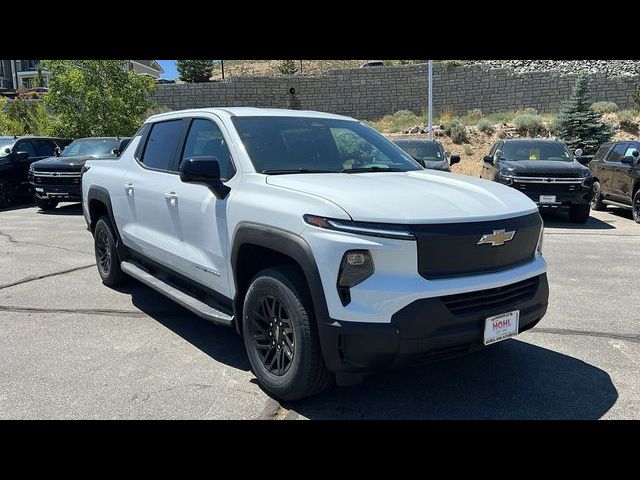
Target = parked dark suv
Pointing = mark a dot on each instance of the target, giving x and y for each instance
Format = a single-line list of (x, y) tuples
[(545, 171), (429, 153), (616, 177), (57, 179), (16, 155)]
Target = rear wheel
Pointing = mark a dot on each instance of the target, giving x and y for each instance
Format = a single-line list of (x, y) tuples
[(45, 204), (579, 213), (636, 206), (596, 200), (7, 193), (281, 337), (107, 259)]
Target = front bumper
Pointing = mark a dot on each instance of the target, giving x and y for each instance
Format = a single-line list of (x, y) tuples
[(566, 194), (425, 330), (70, 193)]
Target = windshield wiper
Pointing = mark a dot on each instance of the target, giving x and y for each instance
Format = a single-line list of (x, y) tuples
[(371, 169), (295, 170)]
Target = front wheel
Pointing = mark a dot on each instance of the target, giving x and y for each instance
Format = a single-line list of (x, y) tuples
[(579, 213), (7, 193), (45, 204), (281, 336), (636, 206), (596, 200), (107, 259)]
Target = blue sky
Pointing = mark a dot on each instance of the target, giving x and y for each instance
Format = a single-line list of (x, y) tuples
[(169, 66)]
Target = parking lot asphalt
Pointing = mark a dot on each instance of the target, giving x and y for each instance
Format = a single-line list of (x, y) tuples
[(71, 348)]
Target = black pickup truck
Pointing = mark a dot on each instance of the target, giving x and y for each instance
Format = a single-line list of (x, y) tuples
[(616, 177), (17, 153), (545, 171), (57, 179)]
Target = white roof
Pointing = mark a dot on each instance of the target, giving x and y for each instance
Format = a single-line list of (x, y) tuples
[(256, 112)]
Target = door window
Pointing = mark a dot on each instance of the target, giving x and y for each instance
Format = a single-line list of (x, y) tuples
[(205, 140), (160, 150), (630, 149), (617, 152), (43, 148), (24, 146)]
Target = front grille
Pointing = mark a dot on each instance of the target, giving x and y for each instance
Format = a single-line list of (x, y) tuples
[(548, 174), (547, 187), (491, 299), (66, 180), (451, 249)]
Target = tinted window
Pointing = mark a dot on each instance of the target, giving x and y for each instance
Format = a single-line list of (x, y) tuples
[(91, 147), (43, 148), (161, 146), (5, 142), (617, 152), (535, 150), (428, 151), (295, 143), (24, 146), (602, 151), (630, 149), (205, 140)]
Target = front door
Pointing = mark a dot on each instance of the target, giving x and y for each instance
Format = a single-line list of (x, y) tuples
[(624, 176), (198, 228)]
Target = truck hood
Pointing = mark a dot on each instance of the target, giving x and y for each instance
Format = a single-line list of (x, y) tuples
[(542, 167), (420, 196), (65, 164)]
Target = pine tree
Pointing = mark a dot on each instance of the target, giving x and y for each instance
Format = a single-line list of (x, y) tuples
[(195, 71), (287, 67), (578, 124)]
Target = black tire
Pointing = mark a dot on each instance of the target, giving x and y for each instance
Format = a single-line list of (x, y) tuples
[(45, 204), (303, 373), (596, 200), (7, 193), (636, 206), (107, 259), (579, 213)]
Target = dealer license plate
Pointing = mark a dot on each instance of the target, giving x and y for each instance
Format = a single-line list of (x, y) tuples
[(501, 327), (547, 199)]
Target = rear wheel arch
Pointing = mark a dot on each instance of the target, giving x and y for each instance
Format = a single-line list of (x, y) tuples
[(99, 205), (256, 247)]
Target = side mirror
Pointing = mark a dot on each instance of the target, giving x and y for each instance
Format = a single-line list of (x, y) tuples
[(57, 151), (17, 156), (115, 152), (205, 171), (7, 150), (488, 159), (454, 159), (584, 160), (578, 152), (627, 160), (635, 153)]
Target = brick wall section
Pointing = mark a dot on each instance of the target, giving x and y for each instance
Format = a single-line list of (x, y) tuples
[(371, 93)]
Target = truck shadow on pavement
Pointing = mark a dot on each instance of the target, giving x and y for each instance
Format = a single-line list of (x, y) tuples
[(511, 380), (67, 209), (561, 220)]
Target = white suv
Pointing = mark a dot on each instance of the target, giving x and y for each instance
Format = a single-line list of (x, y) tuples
[(329, 249)]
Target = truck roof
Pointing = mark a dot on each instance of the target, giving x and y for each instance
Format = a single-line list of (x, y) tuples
[(256, 112)]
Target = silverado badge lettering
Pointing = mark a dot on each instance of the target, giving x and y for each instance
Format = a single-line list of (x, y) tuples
[(497, 238)]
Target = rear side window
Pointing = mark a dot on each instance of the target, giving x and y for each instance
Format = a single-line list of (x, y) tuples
[(24, 146), (205, 140), (618, 152), (602, 151), (43, 148), (160, 150)]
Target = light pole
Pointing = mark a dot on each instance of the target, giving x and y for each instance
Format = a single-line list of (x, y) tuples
[(430, 99)]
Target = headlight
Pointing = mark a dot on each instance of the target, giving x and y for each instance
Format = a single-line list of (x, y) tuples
[(386, 230), (506, 176), (540, 239)]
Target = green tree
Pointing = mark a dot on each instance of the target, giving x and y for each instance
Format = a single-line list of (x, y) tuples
[(578, 124), (287, 67), (96, 97), (195, 71)]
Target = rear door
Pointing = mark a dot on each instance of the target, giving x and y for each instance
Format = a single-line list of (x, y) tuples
[(626, 174), (146, 223), (608, 170)]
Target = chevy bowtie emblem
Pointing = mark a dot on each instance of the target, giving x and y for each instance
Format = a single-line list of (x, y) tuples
[(497, 238)]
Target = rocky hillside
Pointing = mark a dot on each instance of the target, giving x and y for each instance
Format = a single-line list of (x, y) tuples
[(611, 68)]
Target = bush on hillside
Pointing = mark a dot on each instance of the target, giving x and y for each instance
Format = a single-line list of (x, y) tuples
[(605, 107), (528, 124), (457, 131), (485, 126), (627, 121)]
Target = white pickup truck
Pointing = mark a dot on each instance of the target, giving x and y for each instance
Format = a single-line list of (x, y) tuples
[(331, 251)]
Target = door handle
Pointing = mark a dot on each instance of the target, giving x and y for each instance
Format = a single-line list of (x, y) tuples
[(128, 187), (172, 197)]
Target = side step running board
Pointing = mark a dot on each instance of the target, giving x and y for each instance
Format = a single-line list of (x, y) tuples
[(177, 295), (616, 204)]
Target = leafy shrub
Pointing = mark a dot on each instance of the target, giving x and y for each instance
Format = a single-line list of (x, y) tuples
[(457, 131), (474, 115), (485, 126), (468, 150), (446, 117), (528, 123), (605, 107), (399, 121), (287, 67), (627, 121), (527, 111)]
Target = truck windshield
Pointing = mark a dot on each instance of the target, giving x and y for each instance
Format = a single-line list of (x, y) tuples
[(6, 142), (278, 145), (535, 150), (91, 147), (427, 151)]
